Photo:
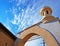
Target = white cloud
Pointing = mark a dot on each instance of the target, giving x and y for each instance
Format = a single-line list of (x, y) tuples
[(16, 19), (25, 17)]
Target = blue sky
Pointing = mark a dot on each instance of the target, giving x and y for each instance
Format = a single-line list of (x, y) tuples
[(17, 15)]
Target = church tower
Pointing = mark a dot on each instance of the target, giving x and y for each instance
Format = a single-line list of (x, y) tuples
[(46, 13)]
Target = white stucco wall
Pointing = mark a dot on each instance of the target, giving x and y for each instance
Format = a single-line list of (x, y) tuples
[(52, 27)]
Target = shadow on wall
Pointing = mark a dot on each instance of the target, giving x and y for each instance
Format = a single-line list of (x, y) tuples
[(17, 42)]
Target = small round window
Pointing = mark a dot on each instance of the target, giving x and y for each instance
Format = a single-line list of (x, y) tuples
[(35, 41)]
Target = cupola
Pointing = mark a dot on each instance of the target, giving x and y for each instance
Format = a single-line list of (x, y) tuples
[(46, 13)]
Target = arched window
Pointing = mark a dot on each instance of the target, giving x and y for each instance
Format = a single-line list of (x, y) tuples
[(47, 12), (35, 41)]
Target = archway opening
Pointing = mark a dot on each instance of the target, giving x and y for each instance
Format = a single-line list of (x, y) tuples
[(35, 30), (35, 40)]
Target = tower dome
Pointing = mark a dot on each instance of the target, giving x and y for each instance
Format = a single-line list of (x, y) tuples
[(46, 11)]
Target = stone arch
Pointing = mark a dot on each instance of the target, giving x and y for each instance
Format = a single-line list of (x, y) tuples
[(35, 30)]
